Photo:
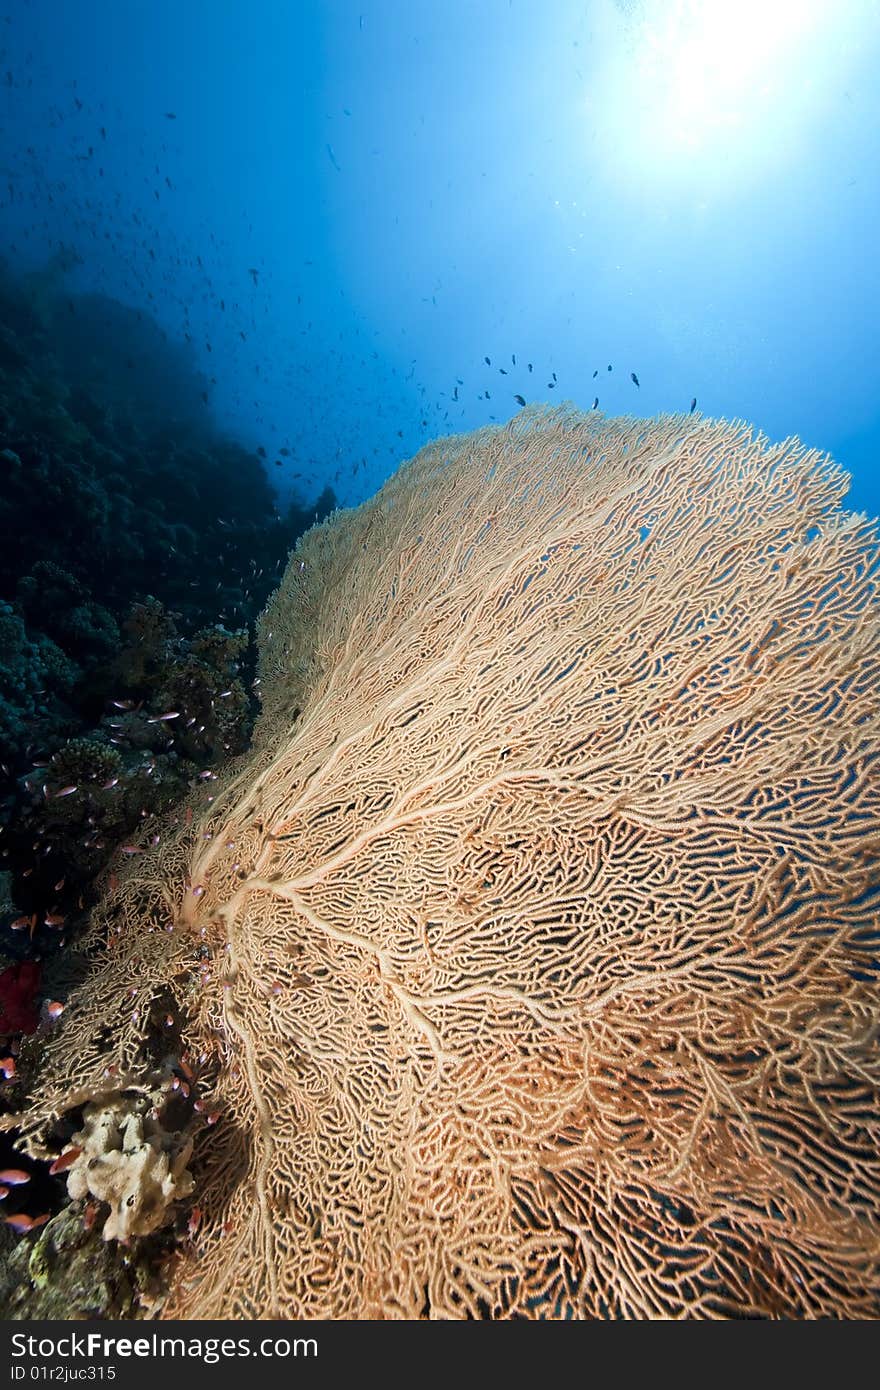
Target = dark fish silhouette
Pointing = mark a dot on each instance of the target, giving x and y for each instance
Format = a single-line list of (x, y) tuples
[(513, 358), (487, 362), (521, 399), (503, 371), (261, 451), (530, 366), (595, 405), (596, 372), (609, 366), (634, 378), (693, 406), (170, 116), (333, 159)]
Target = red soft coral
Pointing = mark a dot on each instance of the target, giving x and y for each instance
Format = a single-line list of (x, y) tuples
[(18, 988)]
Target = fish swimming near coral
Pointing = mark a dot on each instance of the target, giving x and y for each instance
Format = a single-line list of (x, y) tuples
[(63, 1161), (23, 1223)]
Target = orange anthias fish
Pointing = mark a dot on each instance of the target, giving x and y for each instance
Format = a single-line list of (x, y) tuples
[(64, 1160), (22, 1223)]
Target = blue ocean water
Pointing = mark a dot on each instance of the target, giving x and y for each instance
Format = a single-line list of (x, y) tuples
[(349, 205)]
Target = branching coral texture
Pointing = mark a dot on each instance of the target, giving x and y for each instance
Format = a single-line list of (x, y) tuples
[(535, 940)]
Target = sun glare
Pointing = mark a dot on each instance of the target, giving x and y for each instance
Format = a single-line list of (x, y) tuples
[(719, 82), (711, 67)]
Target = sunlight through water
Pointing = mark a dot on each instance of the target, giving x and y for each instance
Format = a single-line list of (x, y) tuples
[(716, 87)]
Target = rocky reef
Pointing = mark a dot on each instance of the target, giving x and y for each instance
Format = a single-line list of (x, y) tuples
[(140, 545)]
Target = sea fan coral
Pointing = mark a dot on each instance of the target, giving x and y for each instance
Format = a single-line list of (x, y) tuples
[(531, 952)]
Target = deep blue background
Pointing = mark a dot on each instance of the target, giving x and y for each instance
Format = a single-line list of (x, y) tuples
[(686, 190)]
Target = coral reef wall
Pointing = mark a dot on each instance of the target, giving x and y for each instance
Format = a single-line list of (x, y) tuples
[(531, 952)]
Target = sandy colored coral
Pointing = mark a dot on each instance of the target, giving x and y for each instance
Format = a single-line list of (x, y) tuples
[(131, 1163), (533, 945)]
